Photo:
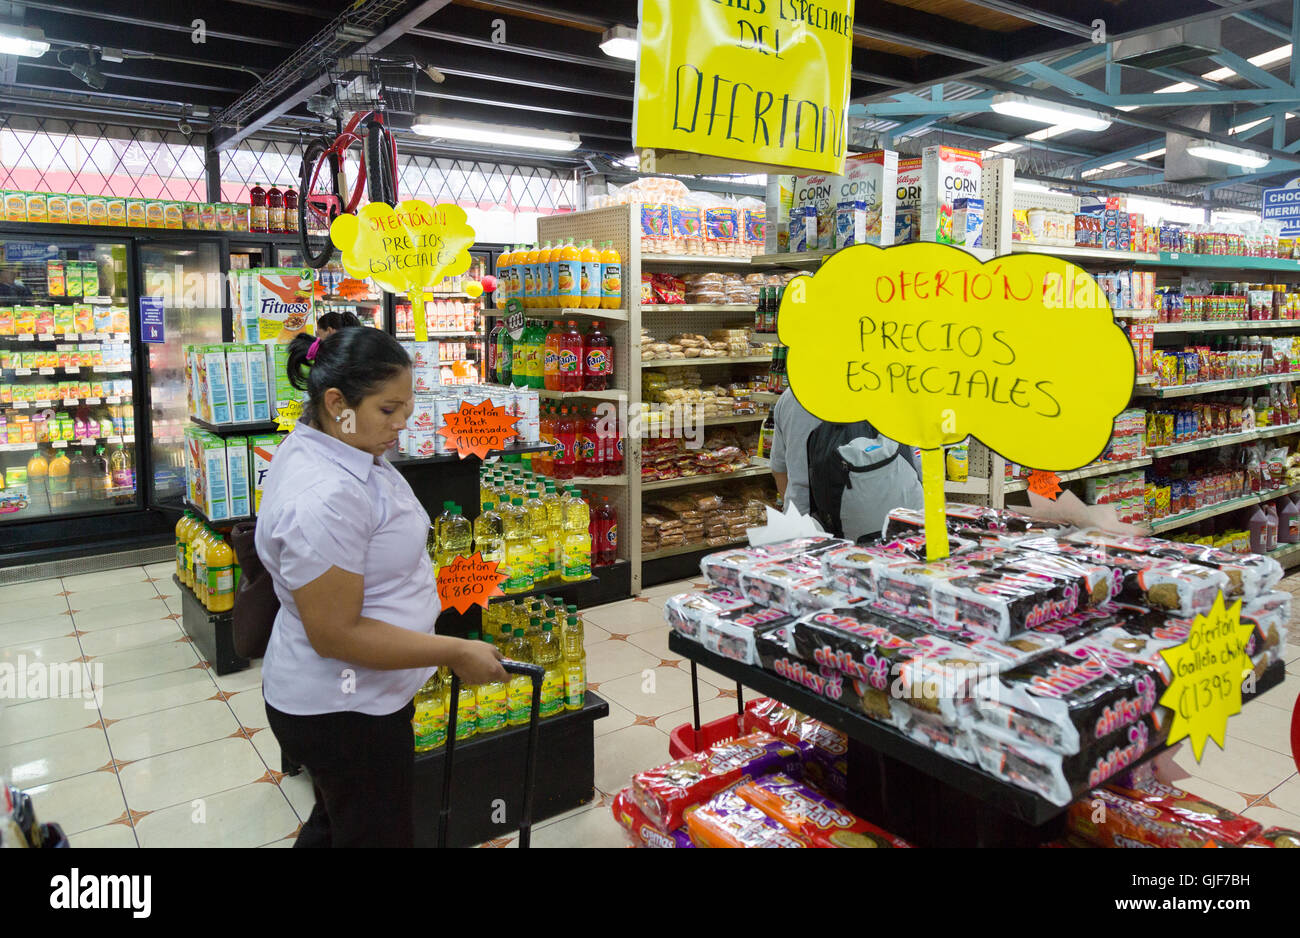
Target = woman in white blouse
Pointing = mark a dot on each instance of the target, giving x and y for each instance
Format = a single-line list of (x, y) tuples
[(343, 538)]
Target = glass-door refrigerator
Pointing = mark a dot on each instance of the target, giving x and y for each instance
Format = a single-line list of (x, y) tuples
[(67, 380)]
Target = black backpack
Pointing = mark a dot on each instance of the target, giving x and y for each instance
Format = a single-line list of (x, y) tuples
[(877, 480)]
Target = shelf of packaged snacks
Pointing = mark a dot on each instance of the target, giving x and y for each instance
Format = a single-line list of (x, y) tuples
[(1144, 380), (697, 308), (1227, 440), (692, 548), (764, 397), (229, 429), (1234, 326), (70, 337), (1229, 261), (695, 259), (1210, 511), (1286, 555), (1209, 387), (64, 402), (1083, 253), (217, 522), (882, 740), (1096, 469), (758, 467), (734, 418), (1136, 313), (683, 362), (551, 312), (611, 394)]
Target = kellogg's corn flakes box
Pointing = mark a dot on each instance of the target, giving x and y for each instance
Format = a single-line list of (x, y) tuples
[(947, 174)]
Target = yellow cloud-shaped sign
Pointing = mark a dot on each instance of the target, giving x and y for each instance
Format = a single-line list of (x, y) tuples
[(930, 345), (406, 249)]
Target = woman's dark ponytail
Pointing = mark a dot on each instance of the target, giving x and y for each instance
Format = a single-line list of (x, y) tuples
[(355, 361)]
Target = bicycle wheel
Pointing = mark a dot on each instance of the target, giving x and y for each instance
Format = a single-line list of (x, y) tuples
[(381, 169), (318, 202)]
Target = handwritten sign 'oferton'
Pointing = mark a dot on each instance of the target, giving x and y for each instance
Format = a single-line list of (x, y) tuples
[(761, 81), (477, 429), (469, 581), (407, 248), (931, 345)]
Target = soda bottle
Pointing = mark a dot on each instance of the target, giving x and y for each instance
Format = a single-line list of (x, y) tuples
[(492, 702), (519, 359), (571, 358), (274, 209), (614, 464), (290, 211), (505, 357), (537, 377), (575, 563), (489, 535), (597, 359), (604, 533), (519, 548), (493, 340), (590, 286), (611, 278), (568, 277), (546, 652), (586, 462), (519, 690), (257, 216), (574, 664), (430, 720), (551, 358), (566, 432)]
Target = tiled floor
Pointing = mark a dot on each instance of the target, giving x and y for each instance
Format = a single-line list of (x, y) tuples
[(166, 753)]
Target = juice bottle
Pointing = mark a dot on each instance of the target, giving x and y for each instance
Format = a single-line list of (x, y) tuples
[(492, 701), (541, 548), (290, 211), (604, 533), (570, 358), (531, 277), (574, 664), (590, 282), (536, 355), (611, 278), (430, 720), (551, 358), (576, 558), (519, 548), (518, 262), (59, 482), (568, 277), (489, 536), (551, 275), (519, 690), (274, 209), (201, 566), (597, 359), (546, 652), (565, 443), (182, 534), (257, 220), (455, 537), (221, 576), (505, 270)]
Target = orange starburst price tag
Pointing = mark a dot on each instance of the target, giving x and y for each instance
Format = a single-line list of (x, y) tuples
[(469, 581), (477, 429), (1046, 484)]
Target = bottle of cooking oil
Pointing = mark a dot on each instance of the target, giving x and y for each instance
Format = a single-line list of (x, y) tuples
[(492, 703), (434, 540), (518, 547), (546, 652), (537, 526), (455, 537), (574, 662), (467, 706), (430, 720), (534, 634), (489, 536), (554, 526), (576, 555), (519, 690)]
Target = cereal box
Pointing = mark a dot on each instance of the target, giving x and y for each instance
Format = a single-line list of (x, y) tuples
[(115, 209), (173, 215), (135, 214), (968, 222), (262, 451), (907, 201), (97, 211), (868, 177), (237, 476), (214, 492), (36, 207), (78, 210), (259, 391), (214, 399), (947, 174), (154, 214), (276, 303), (56, 208), (237, 380), (15, 206)]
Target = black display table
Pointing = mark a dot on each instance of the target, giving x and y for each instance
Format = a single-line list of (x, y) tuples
[(211, 632), (910, 789)]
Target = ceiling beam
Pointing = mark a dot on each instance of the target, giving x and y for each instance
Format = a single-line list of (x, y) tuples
[(1021, 11), (917, 29), (1251, 72), (500, 67), (474, 27), (127, 13), (1258, 20)]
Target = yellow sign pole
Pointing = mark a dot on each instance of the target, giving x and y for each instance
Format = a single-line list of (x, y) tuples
[(936, 520), (417, 312)]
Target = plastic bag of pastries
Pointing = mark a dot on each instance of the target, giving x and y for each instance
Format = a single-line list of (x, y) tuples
[(820, 820), (727, 820), (641, 831)]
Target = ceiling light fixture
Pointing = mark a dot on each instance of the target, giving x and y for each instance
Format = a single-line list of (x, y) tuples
[(1013, 104), (349, 33), (1223, 153), (619, 42), (475, 132), (22, 40)]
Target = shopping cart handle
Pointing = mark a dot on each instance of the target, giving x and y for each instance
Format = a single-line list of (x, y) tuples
[(534, 671)]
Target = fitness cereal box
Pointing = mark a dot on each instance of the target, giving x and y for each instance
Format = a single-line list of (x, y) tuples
[(947, 174)]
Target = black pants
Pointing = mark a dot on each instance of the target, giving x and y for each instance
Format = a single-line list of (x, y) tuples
[(361, 768)]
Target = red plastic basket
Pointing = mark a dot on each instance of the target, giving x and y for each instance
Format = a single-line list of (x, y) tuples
[(684, 740)]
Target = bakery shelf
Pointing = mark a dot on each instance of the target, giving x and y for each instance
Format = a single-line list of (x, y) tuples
[(1189, 517), (554, 312), (683, 362), (1087, 472), (759, 467), (1209, 387), (691, 548), (1227, 440), (1071, 252), (764, 397), (1234, 326)]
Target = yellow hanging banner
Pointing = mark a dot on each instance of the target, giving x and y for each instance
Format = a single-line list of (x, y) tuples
[(759, 81), (1208, 670), (406, 249)]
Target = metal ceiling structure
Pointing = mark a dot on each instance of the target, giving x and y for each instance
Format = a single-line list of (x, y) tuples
[(923, 71)]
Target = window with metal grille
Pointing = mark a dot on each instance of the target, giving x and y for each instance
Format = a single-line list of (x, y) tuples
[(40, 154)]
